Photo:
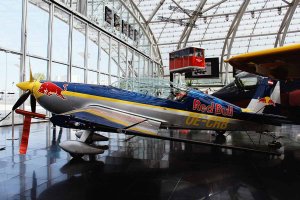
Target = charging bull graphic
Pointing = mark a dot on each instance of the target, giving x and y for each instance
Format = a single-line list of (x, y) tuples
[(50, 88), (267, 101)]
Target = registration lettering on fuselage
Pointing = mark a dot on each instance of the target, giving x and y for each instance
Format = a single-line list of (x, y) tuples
[(210, 123)]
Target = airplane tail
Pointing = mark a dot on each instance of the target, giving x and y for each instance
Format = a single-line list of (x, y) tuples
[(266, 95)]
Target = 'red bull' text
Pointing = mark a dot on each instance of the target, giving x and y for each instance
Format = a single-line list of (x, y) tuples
[(215, 108)]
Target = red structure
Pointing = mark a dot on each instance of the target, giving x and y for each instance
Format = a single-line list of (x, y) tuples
[(26, 127), (187, 59)]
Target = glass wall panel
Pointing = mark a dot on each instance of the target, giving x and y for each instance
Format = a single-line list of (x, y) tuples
[(78, 43), (103, 79), (77, 75), (11, 20), (92, 77), (39, 72), (9, 76), (59, 72), (146, 67), (93, 49), (151, 68), (104, 42), (114, 58), (60, 36), (114, 79), (38, 68), (123, 64), (155, 70), (141, 65), (130, 60), (136, 64), (37, 28)]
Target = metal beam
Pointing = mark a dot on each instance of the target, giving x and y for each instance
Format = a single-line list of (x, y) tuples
[(256, 22), (285, 24), (223, 38), (49, 47), (210, 20), (215, 5), (23, 40), (146, 29), (188, 29), (183, 10), (155, 11), (230, 13), (230, 38)]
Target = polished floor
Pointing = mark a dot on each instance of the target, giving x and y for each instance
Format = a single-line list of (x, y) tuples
[(144, 168)]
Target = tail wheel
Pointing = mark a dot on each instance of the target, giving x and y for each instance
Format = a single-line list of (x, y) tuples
[(275, 145), (220, 132), (76, 156)]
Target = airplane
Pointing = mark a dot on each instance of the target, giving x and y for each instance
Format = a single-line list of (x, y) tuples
[(280, 64), (151, 104), (241, 90)]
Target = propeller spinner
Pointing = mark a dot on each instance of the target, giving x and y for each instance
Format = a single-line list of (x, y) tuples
[(26, 86)]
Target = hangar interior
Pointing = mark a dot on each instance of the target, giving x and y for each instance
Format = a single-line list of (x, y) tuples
[(107, 42)]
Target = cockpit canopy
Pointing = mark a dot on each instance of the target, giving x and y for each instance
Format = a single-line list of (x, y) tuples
[(156, 87)]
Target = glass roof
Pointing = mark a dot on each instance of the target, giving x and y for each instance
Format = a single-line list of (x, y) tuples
[(243, 25)]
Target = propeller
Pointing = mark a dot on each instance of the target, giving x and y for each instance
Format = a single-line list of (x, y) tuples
[(27, 87), (21, 100), (32, 103)]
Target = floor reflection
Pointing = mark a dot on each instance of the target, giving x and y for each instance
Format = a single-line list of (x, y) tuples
[(145, 168)]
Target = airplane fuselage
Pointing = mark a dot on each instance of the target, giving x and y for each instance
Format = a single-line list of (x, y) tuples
[(196, 111)]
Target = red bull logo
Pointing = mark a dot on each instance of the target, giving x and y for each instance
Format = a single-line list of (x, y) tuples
[(267, 101), (215, 108), (50, 88)]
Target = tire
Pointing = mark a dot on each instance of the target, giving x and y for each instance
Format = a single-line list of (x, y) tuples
[(75, 155), (220, 132)]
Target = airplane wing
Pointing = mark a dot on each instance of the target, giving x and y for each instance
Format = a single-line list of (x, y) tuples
[(277, 63), (99, 116)]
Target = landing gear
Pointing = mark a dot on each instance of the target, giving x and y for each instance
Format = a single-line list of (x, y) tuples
[(76, 156), (220, 139), (220, 132), (275, 145), (84, 146)]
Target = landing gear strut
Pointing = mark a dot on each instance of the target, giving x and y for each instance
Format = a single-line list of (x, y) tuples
[(274, 144), (220, 132), (84, 146)]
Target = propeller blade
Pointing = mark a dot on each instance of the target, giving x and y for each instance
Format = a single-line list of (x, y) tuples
[(31, 79), (21, 100), (32, 103)]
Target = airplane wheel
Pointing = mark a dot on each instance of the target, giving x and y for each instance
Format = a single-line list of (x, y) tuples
[(76, 156), (275, 145), (220, 132)]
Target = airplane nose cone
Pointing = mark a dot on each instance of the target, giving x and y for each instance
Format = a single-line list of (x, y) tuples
[(25, 85)]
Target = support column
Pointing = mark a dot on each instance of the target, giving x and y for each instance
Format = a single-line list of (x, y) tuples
[(280, 38), (230, 38)]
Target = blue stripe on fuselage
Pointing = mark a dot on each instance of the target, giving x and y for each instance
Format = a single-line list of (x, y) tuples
[(116, 93)]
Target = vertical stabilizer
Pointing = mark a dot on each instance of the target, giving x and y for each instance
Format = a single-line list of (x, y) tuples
[(267, 94)]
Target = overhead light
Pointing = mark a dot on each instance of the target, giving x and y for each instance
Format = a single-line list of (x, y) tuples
[(227, 17), (279, 10), (252, 14)]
